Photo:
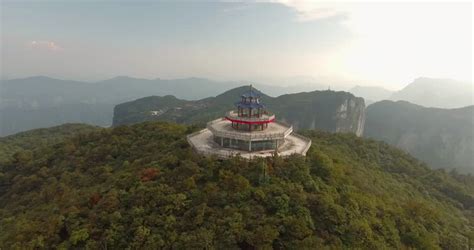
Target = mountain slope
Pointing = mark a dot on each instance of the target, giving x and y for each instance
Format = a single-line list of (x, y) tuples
[(45, 91), (334, 111), (327, 110), (36, 138), (440, 93), (444, 138), (143, 187)]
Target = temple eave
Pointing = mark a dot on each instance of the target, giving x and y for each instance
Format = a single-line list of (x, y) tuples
[(250, 122)]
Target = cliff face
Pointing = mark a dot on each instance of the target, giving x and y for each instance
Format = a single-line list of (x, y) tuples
[(326, 110), (443, 138), (350, 116)]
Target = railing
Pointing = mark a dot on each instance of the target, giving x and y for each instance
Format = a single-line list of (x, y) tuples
[(308, 144), (192, 135), (229, 153), (263, 118), (219, 153), (247, 136), (287, 132), (208, 152)]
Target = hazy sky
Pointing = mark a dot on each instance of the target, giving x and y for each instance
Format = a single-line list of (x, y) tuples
[(384, 44)]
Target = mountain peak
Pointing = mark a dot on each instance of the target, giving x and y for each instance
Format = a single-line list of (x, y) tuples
[(436, 92), (124, 78), (38, 78), (236, 92)]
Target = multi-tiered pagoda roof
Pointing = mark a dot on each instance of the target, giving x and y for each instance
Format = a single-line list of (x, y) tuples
[(251, 114)]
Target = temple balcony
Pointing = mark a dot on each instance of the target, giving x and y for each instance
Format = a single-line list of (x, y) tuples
[(222, 128), (268, 117)]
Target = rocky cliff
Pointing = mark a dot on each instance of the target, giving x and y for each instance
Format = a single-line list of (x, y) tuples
[(326, 110), (351, 116)]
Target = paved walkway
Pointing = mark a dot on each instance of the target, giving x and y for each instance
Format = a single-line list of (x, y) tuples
[(203, 143)]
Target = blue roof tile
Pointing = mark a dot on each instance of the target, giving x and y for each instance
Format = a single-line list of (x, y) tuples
[(251, 93)]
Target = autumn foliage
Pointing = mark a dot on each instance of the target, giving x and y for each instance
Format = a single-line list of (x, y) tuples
[(149, 174)]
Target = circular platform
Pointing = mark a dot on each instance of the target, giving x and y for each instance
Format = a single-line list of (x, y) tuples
[(203, 143)]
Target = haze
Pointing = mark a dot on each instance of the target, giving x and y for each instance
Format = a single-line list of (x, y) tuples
[(369, 44)]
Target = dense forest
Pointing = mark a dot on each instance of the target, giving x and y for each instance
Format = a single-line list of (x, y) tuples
[(443, 138), (35, 138), (143, 187)]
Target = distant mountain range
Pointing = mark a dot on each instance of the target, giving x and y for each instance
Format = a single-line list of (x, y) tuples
[(439, 93), (371, 94), (428, 92), (40, 101), (45, 91), (430, 134), (326, 110), (443, 138)]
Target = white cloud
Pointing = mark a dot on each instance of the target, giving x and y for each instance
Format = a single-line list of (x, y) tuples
[(45, 45), (313, 10)]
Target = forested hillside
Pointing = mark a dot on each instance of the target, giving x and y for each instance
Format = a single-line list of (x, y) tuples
[(143, 187), (36, 138), (334, 111), (443, 138)]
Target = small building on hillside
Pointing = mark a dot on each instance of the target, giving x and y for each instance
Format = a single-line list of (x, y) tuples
[(250, 131)]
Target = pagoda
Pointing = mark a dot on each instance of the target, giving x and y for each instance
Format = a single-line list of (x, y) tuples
[(249, 131), (251, 114)]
